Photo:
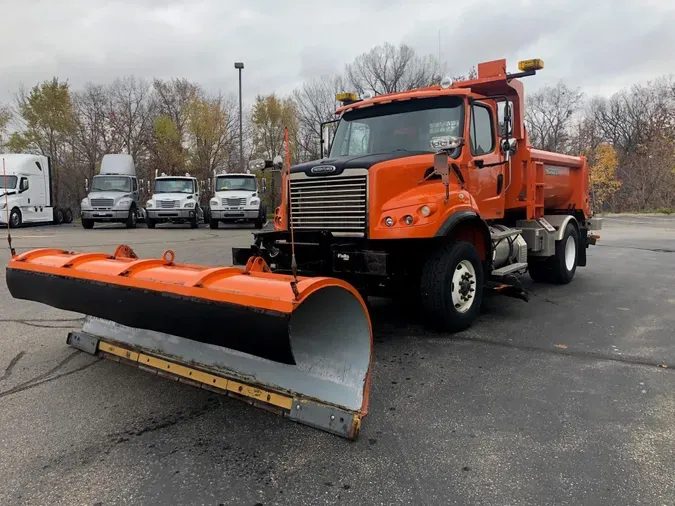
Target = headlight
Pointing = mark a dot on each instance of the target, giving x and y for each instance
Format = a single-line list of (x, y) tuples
[(124, 203), (85, 202), (214, 202), (189, 205), (254, 202), (149, 204), (4, 205)]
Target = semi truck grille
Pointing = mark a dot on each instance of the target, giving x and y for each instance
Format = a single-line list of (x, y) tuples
[(236, 202), (167, 204), (335, 203), (102, 202)]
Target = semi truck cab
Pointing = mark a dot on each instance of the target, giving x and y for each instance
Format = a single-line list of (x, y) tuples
[(26, 195), (175, 199), (237, 197), (114, 195)]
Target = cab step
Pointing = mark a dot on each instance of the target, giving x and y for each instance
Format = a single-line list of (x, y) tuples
[(503, 234), (509, 269)]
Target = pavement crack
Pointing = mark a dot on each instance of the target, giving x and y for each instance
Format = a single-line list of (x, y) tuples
[(43, 375), (33, 383), (653, 250), (592, 355), (12, 363)]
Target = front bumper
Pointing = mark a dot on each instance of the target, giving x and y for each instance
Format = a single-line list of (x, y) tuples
[(105, 215), (234, 214), (171, 214)]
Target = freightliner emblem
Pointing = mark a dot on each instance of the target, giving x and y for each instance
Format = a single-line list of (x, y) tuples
[(322, 169)]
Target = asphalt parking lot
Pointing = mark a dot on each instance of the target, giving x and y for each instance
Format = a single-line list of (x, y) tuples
[(568, 399)]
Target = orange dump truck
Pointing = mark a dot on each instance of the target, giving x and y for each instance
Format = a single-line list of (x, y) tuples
[(435, 195), (432, 194)]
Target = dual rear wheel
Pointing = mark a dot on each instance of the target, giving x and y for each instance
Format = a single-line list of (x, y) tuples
[(453, 278)]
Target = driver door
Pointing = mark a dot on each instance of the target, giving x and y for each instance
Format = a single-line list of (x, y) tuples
[(486, 183)]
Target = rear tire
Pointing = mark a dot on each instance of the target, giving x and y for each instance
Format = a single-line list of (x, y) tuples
[(15, 218), (58, 216), (451, 286), (150, 222), (561, 267), (88, 224), (132, 219), (68, 216), (213, 223)]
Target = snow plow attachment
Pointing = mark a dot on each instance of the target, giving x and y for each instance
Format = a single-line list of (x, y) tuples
[(302, 348)]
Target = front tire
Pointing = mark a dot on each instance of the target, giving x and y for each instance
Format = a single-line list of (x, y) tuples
[(132, 219), (15, 218), (451, 286), (88, 224), (213, 223), (150, 223)]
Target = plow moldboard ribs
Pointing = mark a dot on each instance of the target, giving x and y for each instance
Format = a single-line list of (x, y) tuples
[(311, 342)]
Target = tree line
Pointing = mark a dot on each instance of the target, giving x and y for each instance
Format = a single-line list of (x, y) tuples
[(176, 126)]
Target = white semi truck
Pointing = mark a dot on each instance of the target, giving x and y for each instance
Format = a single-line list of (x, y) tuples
[(26, 191), (237, 198), (114, 196), (175, 199)]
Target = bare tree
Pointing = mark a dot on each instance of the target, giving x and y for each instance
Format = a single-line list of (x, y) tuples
[(315, 103), (130, 112), (549, 114), (5, 118), (389, 69)]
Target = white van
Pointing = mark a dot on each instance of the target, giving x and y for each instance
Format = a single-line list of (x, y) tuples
[(26, 194)]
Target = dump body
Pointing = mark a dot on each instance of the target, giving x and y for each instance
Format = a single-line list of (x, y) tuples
[(566, 180)]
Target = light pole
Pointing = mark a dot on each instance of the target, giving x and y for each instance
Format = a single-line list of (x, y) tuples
[(239, 66)]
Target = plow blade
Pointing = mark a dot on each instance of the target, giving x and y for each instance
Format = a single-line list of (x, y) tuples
[(303, 348)]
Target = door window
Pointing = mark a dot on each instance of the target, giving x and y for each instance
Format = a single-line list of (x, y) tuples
[(23, 185), (482, 132)]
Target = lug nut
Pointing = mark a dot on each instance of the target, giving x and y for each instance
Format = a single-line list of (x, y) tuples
[(408, 220), (389, 221)]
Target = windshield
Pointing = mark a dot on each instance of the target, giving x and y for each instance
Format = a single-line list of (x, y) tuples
[(398, 126), (111, 184), (174, 186), (235, 183), (8, 182)]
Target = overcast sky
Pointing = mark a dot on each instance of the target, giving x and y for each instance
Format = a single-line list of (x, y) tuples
[(600, 45)]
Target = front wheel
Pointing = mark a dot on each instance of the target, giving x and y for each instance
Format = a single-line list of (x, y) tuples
[(15, 218), (132, 219), (213, 223), (87, 224), (150, 222), (451, 286), (194, 221)]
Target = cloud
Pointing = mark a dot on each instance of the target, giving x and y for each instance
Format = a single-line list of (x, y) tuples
[(602, 45)]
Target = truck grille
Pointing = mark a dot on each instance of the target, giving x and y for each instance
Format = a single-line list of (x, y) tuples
[(167, 204), (334, 203), (102, 202), (236, 202)]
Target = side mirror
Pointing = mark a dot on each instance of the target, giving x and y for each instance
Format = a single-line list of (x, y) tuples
[(278, 161), (264, 186), (509, 147), (86, 184), (256, 164)]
